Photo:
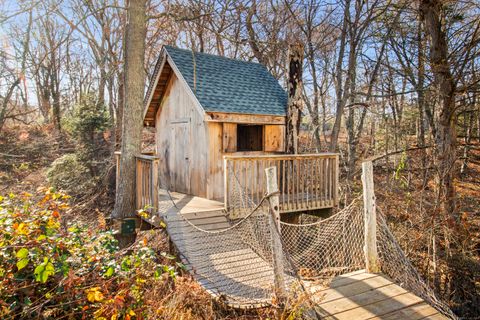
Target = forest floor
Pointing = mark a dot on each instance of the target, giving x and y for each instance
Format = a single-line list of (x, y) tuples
[(26, 154)]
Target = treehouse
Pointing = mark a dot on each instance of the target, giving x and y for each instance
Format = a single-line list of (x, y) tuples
[(219, 120)]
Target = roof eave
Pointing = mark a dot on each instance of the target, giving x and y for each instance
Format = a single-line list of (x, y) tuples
[(154, 81)]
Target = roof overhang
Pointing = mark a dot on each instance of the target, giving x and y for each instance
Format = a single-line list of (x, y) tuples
[(156, 90), (162, 73)]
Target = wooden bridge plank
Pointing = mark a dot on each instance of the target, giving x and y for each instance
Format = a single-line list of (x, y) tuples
[(348, 279), (353, 288), (437, 316), (415, 312), (354, 301), (378, 308), (359, 295)]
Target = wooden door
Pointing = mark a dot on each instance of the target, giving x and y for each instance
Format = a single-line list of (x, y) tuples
[(180, 165)]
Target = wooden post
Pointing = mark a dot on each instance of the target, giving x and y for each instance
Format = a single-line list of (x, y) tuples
[(278, 270), (225, 183), (155, 184), (138, 183), (370, 218), (336, 185)]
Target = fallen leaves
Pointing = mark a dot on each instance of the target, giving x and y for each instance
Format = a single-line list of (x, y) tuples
[(94, 294)]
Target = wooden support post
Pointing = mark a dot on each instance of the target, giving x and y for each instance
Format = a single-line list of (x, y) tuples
[(370, 218), (155, 163), (336, 177), (138, 184), (225, 183), (278, 270)]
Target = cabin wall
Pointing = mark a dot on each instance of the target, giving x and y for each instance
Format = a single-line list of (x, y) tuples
[(223, 140), (181, 142)]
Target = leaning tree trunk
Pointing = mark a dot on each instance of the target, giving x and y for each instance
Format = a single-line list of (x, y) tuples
[(295, 102), (445, 134), (133, 111)]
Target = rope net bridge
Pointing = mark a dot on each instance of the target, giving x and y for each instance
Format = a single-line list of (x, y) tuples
[(252, 259)]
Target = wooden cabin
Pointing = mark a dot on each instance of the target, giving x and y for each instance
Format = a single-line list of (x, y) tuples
[(204, 107), (216, 118)]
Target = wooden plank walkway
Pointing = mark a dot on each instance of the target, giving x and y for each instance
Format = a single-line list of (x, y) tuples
[(186, 203), (223, 264), (227, 267), (360, 295)]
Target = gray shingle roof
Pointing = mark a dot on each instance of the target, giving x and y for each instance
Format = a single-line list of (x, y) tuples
[(228, 85)]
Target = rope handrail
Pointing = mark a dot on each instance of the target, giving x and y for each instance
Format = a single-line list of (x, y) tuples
[(237, 224), (322, 221)]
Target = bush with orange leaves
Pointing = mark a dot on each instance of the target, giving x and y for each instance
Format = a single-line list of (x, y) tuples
[(52, 269)]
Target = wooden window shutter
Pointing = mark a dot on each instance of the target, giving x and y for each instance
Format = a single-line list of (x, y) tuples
[(229, 137), (274, 140)]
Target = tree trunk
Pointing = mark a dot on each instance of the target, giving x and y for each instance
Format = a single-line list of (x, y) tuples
[(6, 100), (340, 104), (119, 110), (421, 98), (445, 134), (294, 108), (314, 114), (132, 117)]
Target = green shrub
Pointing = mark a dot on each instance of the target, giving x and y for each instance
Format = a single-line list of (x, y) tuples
[(89, 121), (70, 175)]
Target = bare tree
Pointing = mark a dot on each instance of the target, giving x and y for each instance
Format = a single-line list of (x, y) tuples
[(445, 134), (136, 30)]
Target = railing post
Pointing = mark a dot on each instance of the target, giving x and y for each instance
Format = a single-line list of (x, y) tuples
[(337, 174), (278, 270), (138, 183), (155, 184), (225, 183), (370, 218)]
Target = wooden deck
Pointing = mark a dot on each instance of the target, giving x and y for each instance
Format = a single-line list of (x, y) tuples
[(360, 295), (189, 205), (186, 203)]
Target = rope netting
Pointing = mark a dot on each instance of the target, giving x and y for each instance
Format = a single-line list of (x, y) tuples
[(396, 265), (328, 247), (232, 256)]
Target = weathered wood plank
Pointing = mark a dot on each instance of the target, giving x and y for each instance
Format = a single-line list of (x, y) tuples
[(245, 118), (274, 138), (378, 308), (352, 289), (353, 301), (421, 310)]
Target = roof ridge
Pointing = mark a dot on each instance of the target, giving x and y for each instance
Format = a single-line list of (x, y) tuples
[(166, 46)]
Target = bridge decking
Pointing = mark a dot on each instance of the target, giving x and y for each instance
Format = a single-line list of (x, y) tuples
[(360, 295), (242, 274)]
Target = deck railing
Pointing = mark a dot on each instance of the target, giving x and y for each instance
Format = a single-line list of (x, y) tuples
[(146, 180), (306, 182)]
